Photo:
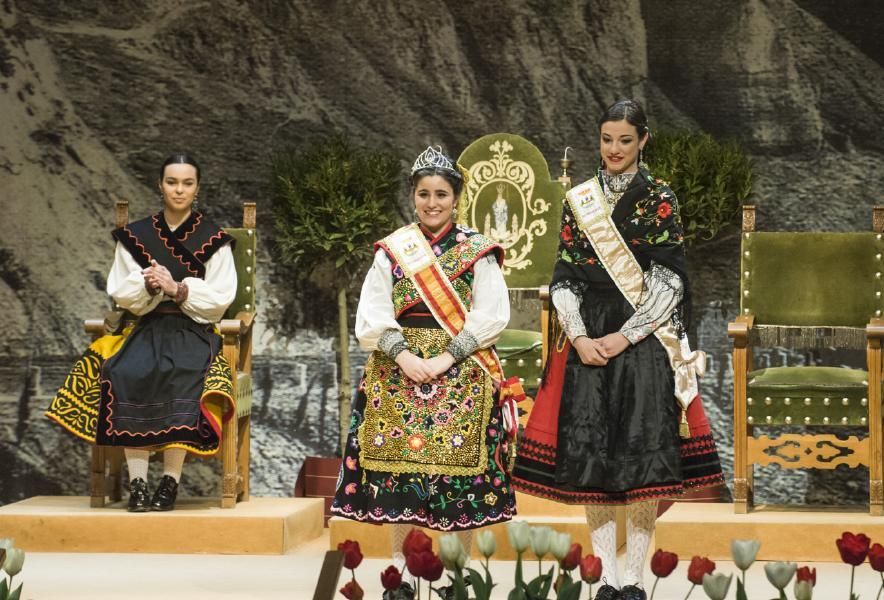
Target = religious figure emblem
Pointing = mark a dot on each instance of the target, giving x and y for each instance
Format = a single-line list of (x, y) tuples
[(500, 196)]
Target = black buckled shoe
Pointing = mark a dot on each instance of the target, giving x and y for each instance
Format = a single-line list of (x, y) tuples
[(608, 592), (632, 592), (139, 496), (164, 497)]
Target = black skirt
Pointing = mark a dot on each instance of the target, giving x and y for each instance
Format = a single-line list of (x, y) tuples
[(618, 424)]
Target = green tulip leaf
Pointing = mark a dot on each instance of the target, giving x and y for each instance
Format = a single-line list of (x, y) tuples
[(570, 591), (16, 594)]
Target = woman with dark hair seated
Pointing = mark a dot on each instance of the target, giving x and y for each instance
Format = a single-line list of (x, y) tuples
[(618, 419), (163, 384), (428, 445)]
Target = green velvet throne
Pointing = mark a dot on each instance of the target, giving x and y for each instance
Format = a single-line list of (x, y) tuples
[(808, 290), (511, 198)]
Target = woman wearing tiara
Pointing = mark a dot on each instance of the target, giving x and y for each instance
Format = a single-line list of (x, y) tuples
[(427, 443), (618, 419)]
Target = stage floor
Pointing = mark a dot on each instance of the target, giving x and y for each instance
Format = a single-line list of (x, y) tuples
[(52, 576)]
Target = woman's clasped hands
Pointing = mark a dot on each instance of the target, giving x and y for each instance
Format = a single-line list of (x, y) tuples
[(424, 370), (597, 352)]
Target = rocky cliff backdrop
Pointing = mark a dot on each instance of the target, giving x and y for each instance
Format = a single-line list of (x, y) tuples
[(94, 94)]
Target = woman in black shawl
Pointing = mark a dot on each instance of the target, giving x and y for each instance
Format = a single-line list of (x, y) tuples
[(607, 427)]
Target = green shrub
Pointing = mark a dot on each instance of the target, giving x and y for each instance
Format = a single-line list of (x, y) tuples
[(331, 202), (712, 179)]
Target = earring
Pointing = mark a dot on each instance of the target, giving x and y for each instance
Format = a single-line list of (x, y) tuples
[(641, 162), (196, 201), (454, 214), (601, 164)]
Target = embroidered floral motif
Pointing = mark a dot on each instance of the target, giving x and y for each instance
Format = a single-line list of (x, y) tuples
[(437, 425)]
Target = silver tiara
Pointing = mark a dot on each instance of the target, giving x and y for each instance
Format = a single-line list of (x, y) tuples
[(431, 158)]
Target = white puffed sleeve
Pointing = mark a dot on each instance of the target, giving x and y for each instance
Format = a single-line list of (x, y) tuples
[(375, 315), (125, 284), (208, 298), (490, 311)]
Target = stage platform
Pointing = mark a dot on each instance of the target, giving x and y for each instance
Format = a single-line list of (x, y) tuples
[(196, 526), (788, 534), (374, 540)]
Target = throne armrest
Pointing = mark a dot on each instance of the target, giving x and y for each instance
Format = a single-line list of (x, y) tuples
[(875, 329), (111, 323), (739, 330), (238, 325)]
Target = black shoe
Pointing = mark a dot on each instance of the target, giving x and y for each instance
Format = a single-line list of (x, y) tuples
[(167, 492), (632, 592), (607, 592), (139, 496)]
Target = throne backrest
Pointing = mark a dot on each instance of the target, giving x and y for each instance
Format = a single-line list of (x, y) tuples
[(812, 279), (244, 257), (511, 199)]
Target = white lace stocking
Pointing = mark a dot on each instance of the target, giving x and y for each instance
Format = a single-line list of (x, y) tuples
[(640, 520), (603, 531)]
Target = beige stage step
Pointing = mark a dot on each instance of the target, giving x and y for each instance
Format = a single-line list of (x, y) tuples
[(196, 526), (374, 540), (792, 534)]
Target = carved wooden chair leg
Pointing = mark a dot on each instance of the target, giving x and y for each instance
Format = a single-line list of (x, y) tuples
[(244, 455), (98, 482), (230, 478)]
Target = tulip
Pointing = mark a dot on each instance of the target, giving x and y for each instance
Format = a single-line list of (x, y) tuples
[(780, 573), (452, 552), (806, 574), (662, 565), (591, 569), (391, 578), (853, 550), (352, 554), (418, 562), (716, 585), (541, 537), (352, 591), (15, 558), (560, 545), (699, 566), (519, 533), (433, 569), (876, 557), (6, 543), (572, 559), (487, 543), (416, 541), (744, 552), (803, 590)]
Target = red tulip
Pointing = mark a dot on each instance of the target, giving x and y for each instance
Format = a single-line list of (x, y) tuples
[(423, 564), (591, 569), (699, 567), (352, 591), (853, 548), (416, 541), (572, 559), (391, 579), (434, 568), (663, 563), (808, 574), (876, 557), (352, 554)]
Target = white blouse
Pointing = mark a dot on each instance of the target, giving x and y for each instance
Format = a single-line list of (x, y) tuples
[(486, 319), (207, 299)]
